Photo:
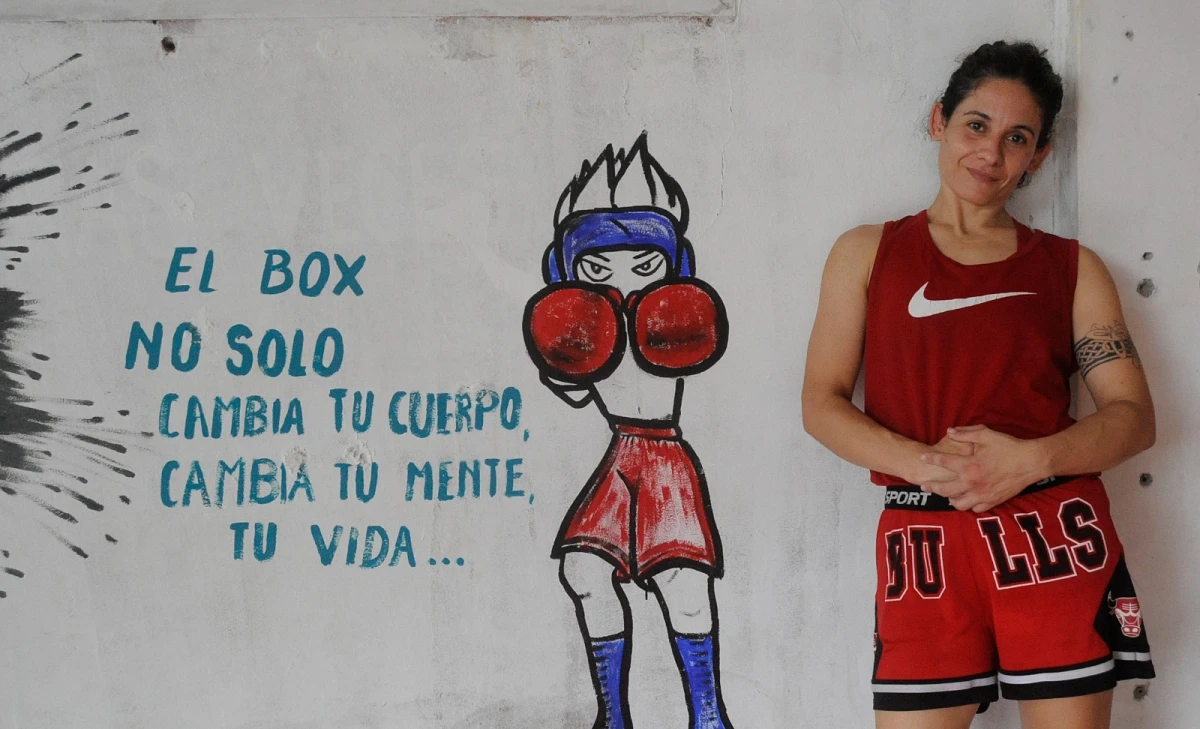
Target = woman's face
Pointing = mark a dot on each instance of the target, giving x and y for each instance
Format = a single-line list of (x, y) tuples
[(989, 142)]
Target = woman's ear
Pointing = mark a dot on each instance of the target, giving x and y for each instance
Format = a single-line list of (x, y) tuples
[(1039, 157), (937, 122)]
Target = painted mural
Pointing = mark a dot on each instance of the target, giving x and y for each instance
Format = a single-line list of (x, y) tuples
[(622, 322)]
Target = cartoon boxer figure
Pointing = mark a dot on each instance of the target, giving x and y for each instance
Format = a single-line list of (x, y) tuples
[(622, 321)]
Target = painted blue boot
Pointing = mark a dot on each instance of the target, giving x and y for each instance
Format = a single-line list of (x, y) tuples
[(609, 660), (697, 659)]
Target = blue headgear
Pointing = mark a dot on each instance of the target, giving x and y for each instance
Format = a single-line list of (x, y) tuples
[(616, 229)]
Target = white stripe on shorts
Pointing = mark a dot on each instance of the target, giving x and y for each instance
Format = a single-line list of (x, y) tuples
[(1070, 675), (1122, 656), (931, 688)]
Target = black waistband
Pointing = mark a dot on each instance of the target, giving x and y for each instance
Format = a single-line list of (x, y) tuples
[(912, 498)]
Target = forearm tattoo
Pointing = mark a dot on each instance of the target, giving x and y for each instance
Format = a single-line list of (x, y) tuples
[(1104, 343)]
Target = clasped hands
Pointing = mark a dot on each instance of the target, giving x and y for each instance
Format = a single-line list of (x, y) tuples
[(977, 468)]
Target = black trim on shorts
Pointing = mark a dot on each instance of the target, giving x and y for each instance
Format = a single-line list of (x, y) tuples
[(912, 498), (1052, 688), (928, 697), (1132, 670)]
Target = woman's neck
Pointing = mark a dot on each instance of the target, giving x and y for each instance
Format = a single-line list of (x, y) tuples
[(966, 218)]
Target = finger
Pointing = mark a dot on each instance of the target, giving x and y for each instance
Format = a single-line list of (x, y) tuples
[(968, 436), (954, 448), (945, 460), (966, 428), (982, 507), (951, 489), (966, 502), (938, 478)]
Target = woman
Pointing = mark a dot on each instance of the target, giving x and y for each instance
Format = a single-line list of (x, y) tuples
[(999, 568)]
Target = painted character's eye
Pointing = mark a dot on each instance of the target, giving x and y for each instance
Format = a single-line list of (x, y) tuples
[(650, 267), (593, 270)]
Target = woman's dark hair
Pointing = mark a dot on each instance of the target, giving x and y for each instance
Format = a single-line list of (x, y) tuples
[(1022, 62)]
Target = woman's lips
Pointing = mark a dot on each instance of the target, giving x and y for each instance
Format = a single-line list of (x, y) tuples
[(982, 176)]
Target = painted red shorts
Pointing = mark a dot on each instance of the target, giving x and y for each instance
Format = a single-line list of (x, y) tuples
[(646, 507), (1033, 596)]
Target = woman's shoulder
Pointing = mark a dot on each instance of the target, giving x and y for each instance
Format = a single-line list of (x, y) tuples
[(861, 236), (856, 251), (862, 242), (856, 247)]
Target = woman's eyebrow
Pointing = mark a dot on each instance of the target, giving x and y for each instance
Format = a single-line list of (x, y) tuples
[(643, 254), (601, 256)]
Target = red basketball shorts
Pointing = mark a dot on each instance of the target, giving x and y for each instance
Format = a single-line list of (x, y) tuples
[(646, 507), (1031, 599)]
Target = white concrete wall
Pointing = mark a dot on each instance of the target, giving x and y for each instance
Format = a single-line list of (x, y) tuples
[(1138, 156), (438, 148)]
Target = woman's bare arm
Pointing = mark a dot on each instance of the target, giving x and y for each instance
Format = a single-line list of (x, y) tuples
[(835, 352), (1123, 424)]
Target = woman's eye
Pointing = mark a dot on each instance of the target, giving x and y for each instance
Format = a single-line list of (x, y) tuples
[(977, 126), (1017, 139)]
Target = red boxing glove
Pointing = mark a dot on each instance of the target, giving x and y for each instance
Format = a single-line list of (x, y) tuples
[(679, 328), (574, 332)]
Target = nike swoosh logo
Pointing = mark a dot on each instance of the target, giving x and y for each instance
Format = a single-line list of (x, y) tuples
[(920, 307)]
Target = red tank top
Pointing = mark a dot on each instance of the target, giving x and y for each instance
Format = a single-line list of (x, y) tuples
[(950, 345)]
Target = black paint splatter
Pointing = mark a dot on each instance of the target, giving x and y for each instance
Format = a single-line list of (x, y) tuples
[(17, 418), (52, 69), (20, 144), (102, 443), (30, 473), (7, 183)]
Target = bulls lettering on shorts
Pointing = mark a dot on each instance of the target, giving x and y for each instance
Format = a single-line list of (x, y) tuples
[(1031, 599)]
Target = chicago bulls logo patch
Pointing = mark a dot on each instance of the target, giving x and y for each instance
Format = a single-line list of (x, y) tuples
[(1128, 612)]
